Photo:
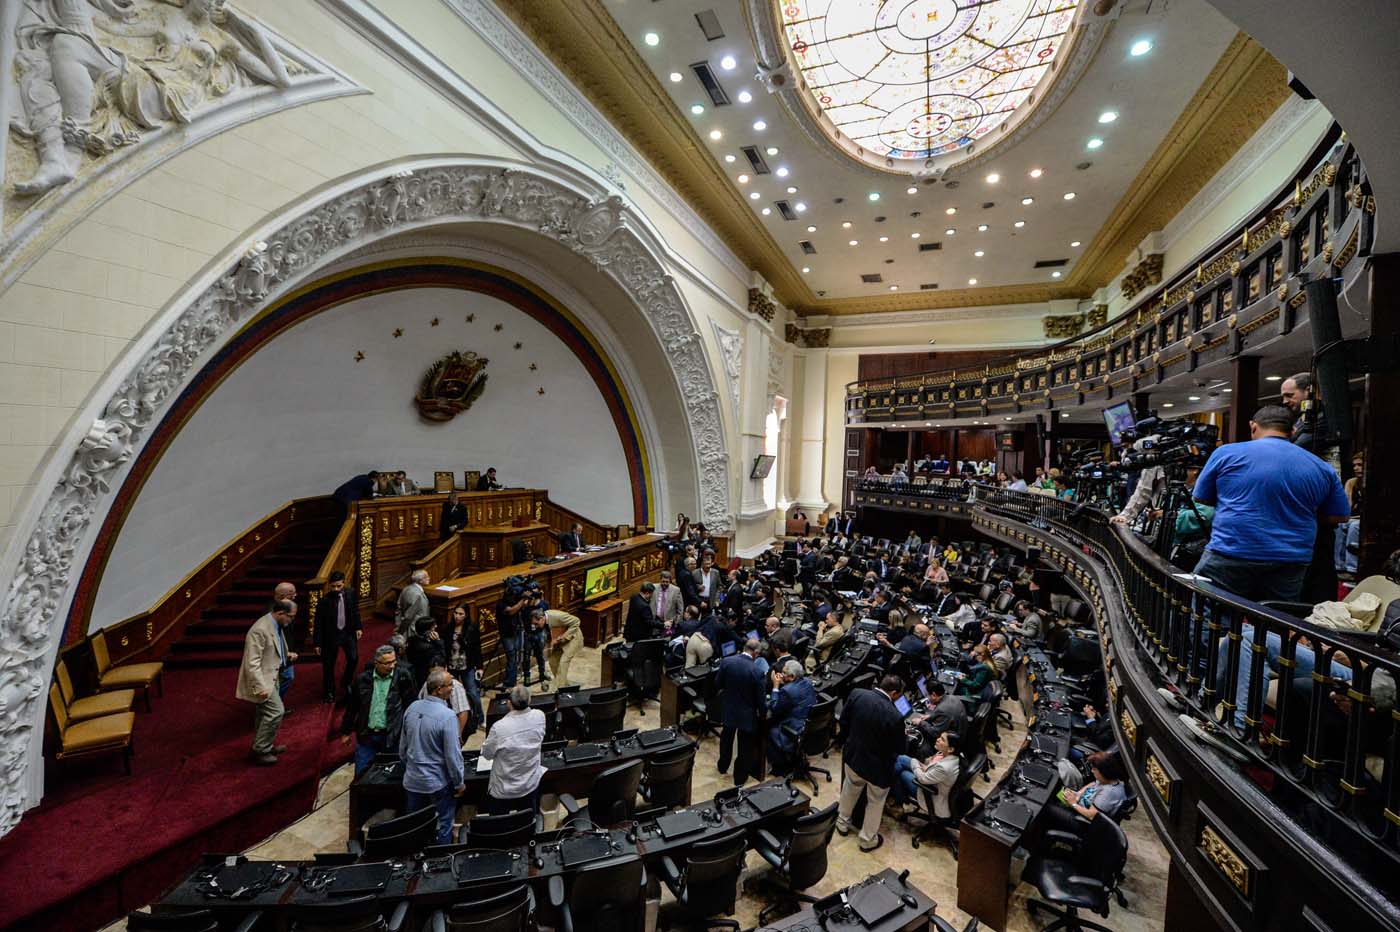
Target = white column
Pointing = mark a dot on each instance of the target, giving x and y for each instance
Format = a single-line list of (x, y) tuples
[(812, 418), (753, 412)]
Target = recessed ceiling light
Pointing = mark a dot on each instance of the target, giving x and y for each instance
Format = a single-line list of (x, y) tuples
[(913, 236), (993, 178), (1018, 224), (894, 288), (676, 77), (1027, 201), (911, 190), (1036, 172), (972, 281), (1273, 378), (766, 211), (1094, 143), (1074, 245), (745, 97), (854, 242), (759, 126), (782, 171), (805, 270), (1227, 390), (771, 150), (728, 63), (753, 195), (845, 224), (884, 239), (950, 232), (1108, 116), (729, 158), (981, 228), (1193, 397), (1007, 419), (1054, 274), (950, 211), (697, 109), (792, 189), (811, 229), (979, 253), (652, 39), (874, 195), (716, 135), (1069, 195), (799, 207), (1168, 404), (742, 179), (1140, 47)]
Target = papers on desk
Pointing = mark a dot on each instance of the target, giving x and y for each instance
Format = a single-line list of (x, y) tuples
[(1191, 577), (483, 765), (446, 588)]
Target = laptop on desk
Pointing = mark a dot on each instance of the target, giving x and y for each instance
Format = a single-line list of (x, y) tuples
[(582, 849), (680, 824), (582, 752), (770, 799), (358, 879), (697, 672), (656, 737)]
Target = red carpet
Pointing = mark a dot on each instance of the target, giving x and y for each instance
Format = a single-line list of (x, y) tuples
[(102, 844)]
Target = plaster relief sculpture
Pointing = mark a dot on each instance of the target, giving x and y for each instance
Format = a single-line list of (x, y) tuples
[(731, 351)]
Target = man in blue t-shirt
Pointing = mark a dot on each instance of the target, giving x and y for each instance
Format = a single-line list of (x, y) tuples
[(1268, 495)]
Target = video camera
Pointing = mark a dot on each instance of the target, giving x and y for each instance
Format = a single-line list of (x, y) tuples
[(1156, 442)]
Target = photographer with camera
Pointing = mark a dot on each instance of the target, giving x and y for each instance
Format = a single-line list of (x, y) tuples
[(1268, 495)]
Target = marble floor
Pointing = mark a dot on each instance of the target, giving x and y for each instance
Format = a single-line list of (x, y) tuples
[(932, 867)]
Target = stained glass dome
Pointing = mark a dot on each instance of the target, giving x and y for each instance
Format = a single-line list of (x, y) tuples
[(915, 79)]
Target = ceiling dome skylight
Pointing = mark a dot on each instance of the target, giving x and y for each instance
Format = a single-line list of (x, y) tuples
[(916, 79)]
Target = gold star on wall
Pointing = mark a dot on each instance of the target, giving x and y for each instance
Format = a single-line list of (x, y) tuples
[(471, 317), (499, 327), (359, 355), (541, 389), (398, 332), (533, 367), (434, 322), (518, 345)]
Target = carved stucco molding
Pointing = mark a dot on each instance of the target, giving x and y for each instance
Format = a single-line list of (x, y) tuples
[(731, 352), (434, 194)]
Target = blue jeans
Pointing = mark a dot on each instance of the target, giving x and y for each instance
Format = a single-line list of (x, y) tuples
[(1256, 580), (534, 645), (1348, 536), (511, 646), (1304, 657), (444, 802), (906, 788), (366, 747)]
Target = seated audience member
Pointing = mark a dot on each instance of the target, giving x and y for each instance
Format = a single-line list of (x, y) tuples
[(879, 610), (946, 713), (935, 572), (793, 696), (454, 516), (571, 541), (1016, 483), (402, 485), (513, 748), (914, 645), (946, 603), (1028, 624), (1001, 653), (829, 634), (425, 649), (1105, 796), (457, 701), (487, 482), (937, 773), (981, 672), (430, 747), (375, 704), (844, 578)]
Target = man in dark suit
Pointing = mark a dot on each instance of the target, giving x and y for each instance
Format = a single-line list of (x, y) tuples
[(641, 621), (572, 539), (744, 692), (874, 732), (454, 516), (353, 490), (338, 629), (949, 713), (879, 611), (807, 567), (487, 482), (734, 596), (792, 700)]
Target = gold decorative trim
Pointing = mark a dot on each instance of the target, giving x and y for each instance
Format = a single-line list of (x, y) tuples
[(1231, 866), (1146, 273), (1129, 727), (1157, 776)]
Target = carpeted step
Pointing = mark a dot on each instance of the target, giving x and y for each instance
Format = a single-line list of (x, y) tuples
[(219, 626), (200, 643), (204, 659)]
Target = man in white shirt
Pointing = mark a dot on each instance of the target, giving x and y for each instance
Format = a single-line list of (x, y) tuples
[(513, 748)]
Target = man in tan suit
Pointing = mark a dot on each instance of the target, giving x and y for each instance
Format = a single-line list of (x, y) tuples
[(264, 655), (666, 602), (565, 641)]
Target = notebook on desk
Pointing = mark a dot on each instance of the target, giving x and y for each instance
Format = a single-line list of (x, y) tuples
[(476, 866), (1037, 773), (770, 799), (656, 737), (697, 672), (677, 824), (873, 903), (582, 849), (359, 879), (581, 753)]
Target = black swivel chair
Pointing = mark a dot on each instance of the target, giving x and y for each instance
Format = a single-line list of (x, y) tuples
[(816, 737), (357, 914), (509, 830), (960, 800), (604, 713), (708, 884), (508, 910), (799, 860), (198, 920), (646, 662), (1002, 603), (405, 835), (608, 896), (707, 703), (666, 779), (1084, 880), (612, 800)]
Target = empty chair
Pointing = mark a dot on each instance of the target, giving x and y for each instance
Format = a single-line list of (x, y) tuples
[(612, 800), (127, 676), (604, 713), (707, 703), (408, 834), (366, 913), (106, 735), (604, 897), (1084, 880), (646, 661), (495, 910), (1076, 611), (817, 736), (80, 709), (666, 778), (509, 830), (1003, 602), (986, 592), (707, 884), (799, 859), (198, 920)]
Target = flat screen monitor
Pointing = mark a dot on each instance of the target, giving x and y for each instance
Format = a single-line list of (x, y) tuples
[(923, 685), (728, 649), (600, 581), (762, 465), (1118, 418), (902, 704)]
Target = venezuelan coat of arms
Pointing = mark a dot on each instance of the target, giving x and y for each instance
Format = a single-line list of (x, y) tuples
[(451, 385)]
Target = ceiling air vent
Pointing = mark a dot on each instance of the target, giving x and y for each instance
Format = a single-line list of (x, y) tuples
[(709, 25), (808, 248), (873, 279), (928, 286), (706, 77), (988, 205), (760, 167), (1052, 263), (930, 247), (785, 209)]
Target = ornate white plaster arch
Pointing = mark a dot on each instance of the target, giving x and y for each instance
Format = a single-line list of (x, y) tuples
[(56, 533)]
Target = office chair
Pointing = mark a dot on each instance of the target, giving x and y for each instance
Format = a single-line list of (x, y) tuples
[(1003, 603), (198, 920), (666, 779), (608, 896), (405, 835), (960, 799), (799, 860), (495, 910), (604, 713), (357, 914), (645, 664), (1083, 881), (708, 885), (510, 830), (816, 737), (708, 705), (986, 592), (612, 800)]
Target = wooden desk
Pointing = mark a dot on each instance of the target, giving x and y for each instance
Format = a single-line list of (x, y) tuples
[(489, 547), (639, 560)]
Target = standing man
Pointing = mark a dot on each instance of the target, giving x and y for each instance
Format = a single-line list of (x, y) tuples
[(434, 773), (338, 630), (510, 624), (666, 601), (788, 707), (743, 685), (565, 641), (356, 488), (513, 748), (708, 580), (264, 655), (375, 704), (641, 623), (874, 732), (287, 592), (412, 605), (571, 541), (454, 516)]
